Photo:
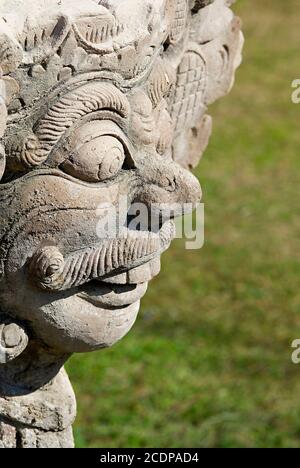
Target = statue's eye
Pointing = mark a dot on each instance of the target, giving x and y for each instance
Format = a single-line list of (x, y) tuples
[(96, 160)]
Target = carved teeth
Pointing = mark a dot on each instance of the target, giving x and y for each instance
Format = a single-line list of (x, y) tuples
[(117, 279), (103, 295), (141, 274), (98, 30), (144, 273)]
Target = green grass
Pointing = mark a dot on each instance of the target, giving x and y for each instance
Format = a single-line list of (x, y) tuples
[(208, 363)]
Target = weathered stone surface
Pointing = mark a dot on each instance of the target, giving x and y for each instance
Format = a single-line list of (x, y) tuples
[(8, 436), (50, 408), (100, 101)]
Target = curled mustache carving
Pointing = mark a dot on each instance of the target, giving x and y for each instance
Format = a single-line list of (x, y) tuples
[(52, 272)]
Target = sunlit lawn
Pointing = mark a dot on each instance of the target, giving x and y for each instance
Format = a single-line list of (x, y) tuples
[(208, 362)]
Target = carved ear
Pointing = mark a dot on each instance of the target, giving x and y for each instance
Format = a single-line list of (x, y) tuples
[(179, 20), (13, 340)]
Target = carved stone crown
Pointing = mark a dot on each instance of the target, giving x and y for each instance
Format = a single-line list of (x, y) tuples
[(182, 54)]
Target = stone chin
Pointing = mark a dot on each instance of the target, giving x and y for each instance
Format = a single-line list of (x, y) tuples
[(75, 325), (95, 315)]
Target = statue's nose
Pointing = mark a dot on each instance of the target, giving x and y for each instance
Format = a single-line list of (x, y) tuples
[(167, 186)]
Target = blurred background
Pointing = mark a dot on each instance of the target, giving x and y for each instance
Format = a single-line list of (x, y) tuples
[(208, 363)]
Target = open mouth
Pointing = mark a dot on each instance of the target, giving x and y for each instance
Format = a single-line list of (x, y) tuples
[(128, 259), (98, 32), (113, 296), (121, 290)]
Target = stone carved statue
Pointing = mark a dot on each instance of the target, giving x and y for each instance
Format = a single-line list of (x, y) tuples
[(98, 99)]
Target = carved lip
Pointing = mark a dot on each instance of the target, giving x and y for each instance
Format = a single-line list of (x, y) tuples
[(123, 289), (110, 296)]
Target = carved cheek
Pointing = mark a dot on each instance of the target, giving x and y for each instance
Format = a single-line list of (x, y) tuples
[(97, 160)]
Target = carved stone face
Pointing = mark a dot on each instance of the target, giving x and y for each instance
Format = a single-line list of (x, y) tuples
[(100, 100)]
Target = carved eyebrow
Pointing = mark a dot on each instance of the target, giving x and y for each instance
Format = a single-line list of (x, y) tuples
[(72, 107)]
